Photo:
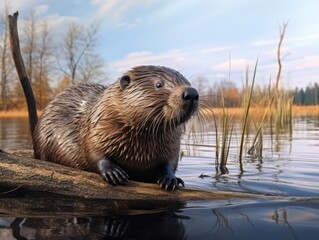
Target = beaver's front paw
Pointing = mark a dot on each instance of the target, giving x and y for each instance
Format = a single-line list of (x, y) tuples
[(169, 182), (111, 173)]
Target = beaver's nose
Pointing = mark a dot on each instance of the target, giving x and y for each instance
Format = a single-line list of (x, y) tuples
[(190, 94)]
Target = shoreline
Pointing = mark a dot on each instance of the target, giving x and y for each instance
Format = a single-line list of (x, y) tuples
[(296, 111)]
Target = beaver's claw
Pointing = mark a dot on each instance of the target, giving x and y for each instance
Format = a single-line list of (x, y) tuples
[(111, 173), (169, 182)]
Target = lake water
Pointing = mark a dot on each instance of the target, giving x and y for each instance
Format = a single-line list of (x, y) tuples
[(289, 169)]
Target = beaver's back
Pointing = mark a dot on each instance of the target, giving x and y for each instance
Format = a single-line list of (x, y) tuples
[(57, 133)]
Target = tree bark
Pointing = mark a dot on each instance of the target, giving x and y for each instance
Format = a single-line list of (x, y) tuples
[(38, 175)]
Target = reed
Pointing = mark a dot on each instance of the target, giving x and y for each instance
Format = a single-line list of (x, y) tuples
[(256, 149), (283, 111), (223, 132), (227, 130), (246, 108), (223, 121)]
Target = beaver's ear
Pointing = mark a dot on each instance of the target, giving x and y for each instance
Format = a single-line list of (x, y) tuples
[(125, 81)]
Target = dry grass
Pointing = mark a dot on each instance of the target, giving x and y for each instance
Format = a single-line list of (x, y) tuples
[(16, 113), (297, 111)]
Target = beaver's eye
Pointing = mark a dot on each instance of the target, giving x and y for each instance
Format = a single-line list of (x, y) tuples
[(159, 85)]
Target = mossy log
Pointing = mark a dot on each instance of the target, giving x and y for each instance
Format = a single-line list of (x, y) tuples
[(38, 175)]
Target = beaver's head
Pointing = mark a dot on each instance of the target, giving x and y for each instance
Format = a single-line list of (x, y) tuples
[(157, 97)]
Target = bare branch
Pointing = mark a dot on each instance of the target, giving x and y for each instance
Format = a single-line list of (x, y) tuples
[(77, 51), (282, 31)]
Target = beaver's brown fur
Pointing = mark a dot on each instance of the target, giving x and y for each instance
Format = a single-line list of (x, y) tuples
[(131, 129)]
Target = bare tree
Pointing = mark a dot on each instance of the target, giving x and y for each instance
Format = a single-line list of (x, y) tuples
[(41, 73), (6, 62), (92, 68), (78, 60), (29, 42), (63, 83), (37, 48)]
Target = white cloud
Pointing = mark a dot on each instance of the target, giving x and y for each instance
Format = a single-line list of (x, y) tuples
[(56, 21), (310, 62), (17, 4), (264, 43), (41, 9), (286, 40), (284, 51), (59, 25), (200, 62), (190, 63), (215, 49), (235, 65), (129, 24), (116, 9), (172, 58)]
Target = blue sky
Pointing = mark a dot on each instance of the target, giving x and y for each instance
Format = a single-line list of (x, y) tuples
[(196, 37)]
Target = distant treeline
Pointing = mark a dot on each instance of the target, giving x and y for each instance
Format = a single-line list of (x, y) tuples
[(308, 96), (227, 94)]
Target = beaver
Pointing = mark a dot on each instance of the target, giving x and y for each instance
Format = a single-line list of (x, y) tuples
[(129, 130)]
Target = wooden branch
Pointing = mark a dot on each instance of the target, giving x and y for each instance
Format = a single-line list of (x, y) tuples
[(40, 175), (22, 73)]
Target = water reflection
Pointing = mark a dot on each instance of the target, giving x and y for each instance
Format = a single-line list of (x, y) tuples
[(156, 226), (14, 133), (256, 220), (289, 168)]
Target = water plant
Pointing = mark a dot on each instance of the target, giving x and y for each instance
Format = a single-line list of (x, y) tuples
[(223, 131), (256, 148), (246, 108), (275, 106), (283, 100)]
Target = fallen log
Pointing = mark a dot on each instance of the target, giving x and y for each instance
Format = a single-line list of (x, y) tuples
[(38, 175)]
